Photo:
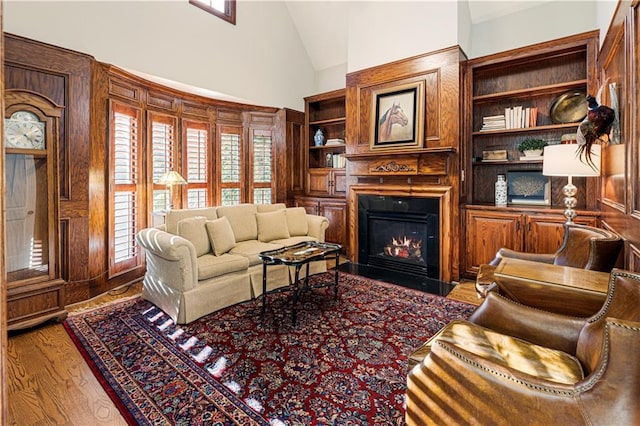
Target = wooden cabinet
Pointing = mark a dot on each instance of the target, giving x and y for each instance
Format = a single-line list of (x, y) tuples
[(325, 163), (326, 179), (529, 79), (335, 210), (327, 183), (488, 230)]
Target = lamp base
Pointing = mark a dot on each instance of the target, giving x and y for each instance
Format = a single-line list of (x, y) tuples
[(570, 201)]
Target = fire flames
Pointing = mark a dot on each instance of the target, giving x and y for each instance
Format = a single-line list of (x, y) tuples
[(404, 248)]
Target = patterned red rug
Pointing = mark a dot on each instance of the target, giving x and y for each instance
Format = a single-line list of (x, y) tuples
[(344, 362)]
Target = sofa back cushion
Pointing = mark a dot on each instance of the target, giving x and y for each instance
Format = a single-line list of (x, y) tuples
[(242, 219), (220, 235), (193, 229), (176, 215), (263, 208), (272, 226), (297, 221)]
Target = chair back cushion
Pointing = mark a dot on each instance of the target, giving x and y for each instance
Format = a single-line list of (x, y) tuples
[(587, 247), (623, 300), (176, 215)]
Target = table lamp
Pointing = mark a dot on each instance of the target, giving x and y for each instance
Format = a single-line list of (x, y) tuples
[(171, 178), (565, 160)]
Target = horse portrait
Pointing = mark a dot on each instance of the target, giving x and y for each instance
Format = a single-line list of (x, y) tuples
[(397, 116), (393, 115)]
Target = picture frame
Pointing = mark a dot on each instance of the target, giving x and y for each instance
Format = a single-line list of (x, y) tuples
[(397, 116), (528, 187)]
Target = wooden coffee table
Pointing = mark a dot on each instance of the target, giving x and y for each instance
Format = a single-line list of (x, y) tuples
[(560, 289), (297, 256)]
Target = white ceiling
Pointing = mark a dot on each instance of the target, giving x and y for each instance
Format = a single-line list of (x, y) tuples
[(322, 25)]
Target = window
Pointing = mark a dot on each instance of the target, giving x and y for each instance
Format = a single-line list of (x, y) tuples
[(231, 179), (126, 214), (223, 9), (196, 142), (262, 160), (162, 131)]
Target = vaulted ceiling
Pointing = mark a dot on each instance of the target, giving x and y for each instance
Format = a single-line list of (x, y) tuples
[(322, 25)]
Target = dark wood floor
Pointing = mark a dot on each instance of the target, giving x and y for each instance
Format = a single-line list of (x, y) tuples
[(49, 382)]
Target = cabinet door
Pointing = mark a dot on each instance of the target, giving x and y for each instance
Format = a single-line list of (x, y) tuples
[(545, 233), (487, 232), (318, 182), (311, 206), (336, 213), (339, 182)]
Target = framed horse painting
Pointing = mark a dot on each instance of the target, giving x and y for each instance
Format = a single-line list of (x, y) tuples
[(397, 116)]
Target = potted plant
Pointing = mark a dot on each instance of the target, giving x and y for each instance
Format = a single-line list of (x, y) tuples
[(532, 147)]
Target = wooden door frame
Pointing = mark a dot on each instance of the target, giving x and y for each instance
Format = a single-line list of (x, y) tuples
[(3, 280)]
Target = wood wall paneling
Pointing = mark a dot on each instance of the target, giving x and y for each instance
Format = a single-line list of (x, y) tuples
[(619, 62), (434, 162)]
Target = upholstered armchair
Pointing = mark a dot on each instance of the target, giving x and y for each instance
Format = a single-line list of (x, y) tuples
[(512, 364), (583, 247)]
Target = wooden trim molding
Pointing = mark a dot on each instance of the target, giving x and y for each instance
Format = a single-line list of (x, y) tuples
[(443, 193)]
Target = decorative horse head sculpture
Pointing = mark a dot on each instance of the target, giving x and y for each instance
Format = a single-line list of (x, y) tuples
[(394, 115)]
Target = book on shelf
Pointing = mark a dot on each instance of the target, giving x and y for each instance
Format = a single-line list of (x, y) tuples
[(495, 155), (331, 142), (339, 161), (518, 117), (532, 158), (493, 122)]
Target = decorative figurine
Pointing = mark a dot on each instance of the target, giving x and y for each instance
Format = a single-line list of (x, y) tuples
[(319, 138)]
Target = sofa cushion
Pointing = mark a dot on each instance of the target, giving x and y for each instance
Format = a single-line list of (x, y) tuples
[(251, 250), (220, 235), (242, 219), (272, 226), (210, 266), (297, 221), (193, 229), (263, 208), (176, 215)]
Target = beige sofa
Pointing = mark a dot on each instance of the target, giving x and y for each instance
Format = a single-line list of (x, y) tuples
[(202, 260)]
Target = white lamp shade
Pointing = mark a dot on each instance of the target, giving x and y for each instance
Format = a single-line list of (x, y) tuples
[(171, 177), (565, 160)]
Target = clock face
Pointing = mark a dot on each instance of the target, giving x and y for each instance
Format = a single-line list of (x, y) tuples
[(24, 130)]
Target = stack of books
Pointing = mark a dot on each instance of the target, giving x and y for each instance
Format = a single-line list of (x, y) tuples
[(520, 118), (493, 122), (339, 161)]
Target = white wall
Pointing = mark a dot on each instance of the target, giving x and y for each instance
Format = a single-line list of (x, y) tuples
[(548, 21), (464, 26), (604, 12), (261, 59), (386, 31)]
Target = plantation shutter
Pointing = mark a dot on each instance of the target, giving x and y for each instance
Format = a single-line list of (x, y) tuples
[(231, 166), (126, 210), (197, 169), (262, 160), (162, 157)]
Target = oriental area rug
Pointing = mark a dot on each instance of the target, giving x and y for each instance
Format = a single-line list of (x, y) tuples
[(344, 363)]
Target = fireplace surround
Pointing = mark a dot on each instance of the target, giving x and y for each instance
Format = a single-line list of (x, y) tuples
[(402, 235)]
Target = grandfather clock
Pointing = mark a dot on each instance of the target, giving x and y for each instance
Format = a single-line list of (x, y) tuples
[(32, 242)]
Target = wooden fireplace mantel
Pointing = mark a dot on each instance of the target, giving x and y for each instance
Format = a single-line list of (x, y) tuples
[(441, 192)]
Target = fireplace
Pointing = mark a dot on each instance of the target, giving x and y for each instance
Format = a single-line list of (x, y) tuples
[(398, 236)]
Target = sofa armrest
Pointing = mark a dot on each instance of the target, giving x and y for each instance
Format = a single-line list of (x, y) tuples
[(317, 226), (171, 259)]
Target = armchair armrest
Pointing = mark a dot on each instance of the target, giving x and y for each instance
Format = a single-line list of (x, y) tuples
[(534, 257), (542, 328), (171, 259), (317, 226)]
